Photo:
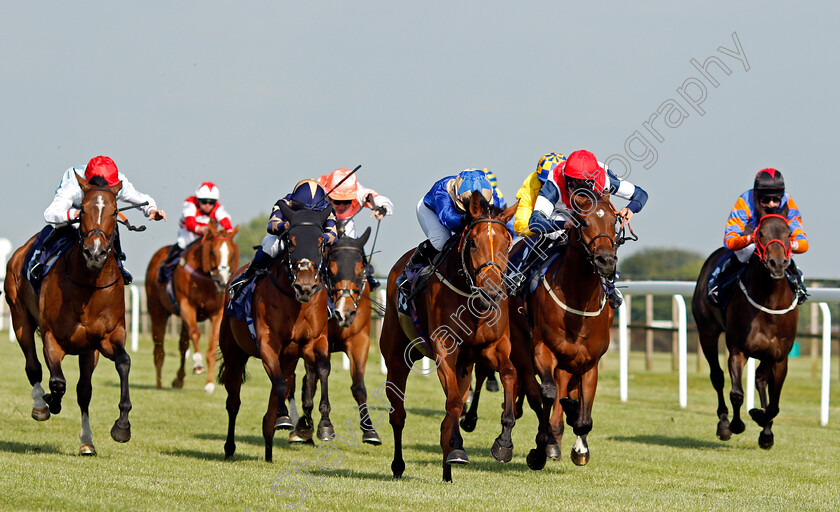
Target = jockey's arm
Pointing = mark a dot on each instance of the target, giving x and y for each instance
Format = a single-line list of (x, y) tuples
[(371, 199), (277, 224), (736, 235), (445, 208), (798, 238), (62, 209), (223, 218), (132, 196), (636, 196), (550, 214)]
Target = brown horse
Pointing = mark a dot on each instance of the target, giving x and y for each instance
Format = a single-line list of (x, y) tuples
[(570, 327), (349, 329), (463, 327), (760, 322), (80, 311), (290, 319), (199, 282)]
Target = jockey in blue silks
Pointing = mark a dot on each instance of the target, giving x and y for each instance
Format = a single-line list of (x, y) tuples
[(443, 211), (307, 194)]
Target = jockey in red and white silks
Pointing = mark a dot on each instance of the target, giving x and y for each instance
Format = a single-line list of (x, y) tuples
[(350, 197), (197, 212)]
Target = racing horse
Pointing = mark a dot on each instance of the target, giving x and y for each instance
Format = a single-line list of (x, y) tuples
[(290, 321), (198, 283), (349, 329), (759, 321), (570, 327), (80, 311), (464, 312)]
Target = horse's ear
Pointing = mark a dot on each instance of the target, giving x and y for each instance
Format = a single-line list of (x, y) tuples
[(324, 214), (234, 231), (83, 184), (286, 210), (213, 227), (364, 238), (508, 214), (784, 211), (475, 204)]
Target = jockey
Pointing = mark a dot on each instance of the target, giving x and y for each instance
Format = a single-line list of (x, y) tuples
[(347, 198), (561, 178), (442, 211), (65, 208), (769, 192), (307, 194), (196, 213)]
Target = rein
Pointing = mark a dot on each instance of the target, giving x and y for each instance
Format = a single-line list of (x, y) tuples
[(759, 307), (761, 250), (482, 269)]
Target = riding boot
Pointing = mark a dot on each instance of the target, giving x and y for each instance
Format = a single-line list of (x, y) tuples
[(794, 275), (421, 259), (613, 294), (373, 283), (719, 279), (38, 263), (259, 266), (164, 271), (120, 255)]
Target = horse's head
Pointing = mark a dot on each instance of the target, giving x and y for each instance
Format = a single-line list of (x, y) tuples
[(347, 273), (484, 247), (97, 221), (772, 243), (595, 220), (218, 251), (304, 242)]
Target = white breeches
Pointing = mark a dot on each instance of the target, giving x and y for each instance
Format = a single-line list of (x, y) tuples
[(436, 232)]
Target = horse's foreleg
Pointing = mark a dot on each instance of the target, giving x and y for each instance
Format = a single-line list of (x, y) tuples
[(87, 362), (708, 334), (451, 441), (272, 366), (285, 419), (115, 350), (53, 355), (326, 431), (212, 350), (470, 419), (736, 396), (587, 385), (777, 373), (544, 364), (357, 352)]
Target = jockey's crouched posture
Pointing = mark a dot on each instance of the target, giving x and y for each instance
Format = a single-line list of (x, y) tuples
[(197, 212), (307, 194), (348, 197), (549, 215), (441, 212), (65, 209), (769, 192)]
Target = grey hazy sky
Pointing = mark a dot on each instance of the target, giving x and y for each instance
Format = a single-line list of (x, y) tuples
[(258, 95)]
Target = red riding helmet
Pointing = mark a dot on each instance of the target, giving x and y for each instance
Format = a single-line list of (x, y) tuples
[(769, 182), (102, 166)]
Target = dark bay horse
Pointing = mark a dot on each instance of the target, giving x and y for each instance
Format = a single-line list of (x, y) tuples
[(569, 323), (199, 282), (464, 313), (349, 329), (290, 319), (760, 322), (80, 311)]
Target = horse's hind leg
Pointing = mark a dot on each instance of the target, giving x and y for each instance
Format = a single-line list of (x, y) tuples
[(399, 359), (770, 409), (709, 334), (357, 352), (285, 419), (159, 316), (24, 326), (231, 375), (544, 364), (274, 369), (183, 345), (736, 396), (212, 350), (304, 429), (87, 362), (470, 419), (326, 431)]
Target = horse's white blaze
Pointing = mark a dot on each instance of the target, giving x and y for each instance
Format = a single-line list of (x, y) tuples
[(579, 447), (101, 205), (224, 262), (96, 245), (86, 434), (340, 305), (198, 360), (600, 213), (37, 395)]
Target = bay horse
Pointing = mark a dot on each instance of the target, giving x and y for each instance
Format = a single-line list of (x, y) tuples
[(760, 322), (349, 329), (199, 281), (80, 311), (290, 319), (470, 277), (569, 324)]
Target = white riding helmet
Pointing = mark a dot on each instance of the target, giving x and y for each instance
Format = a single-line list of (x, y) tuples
[(207, 190)]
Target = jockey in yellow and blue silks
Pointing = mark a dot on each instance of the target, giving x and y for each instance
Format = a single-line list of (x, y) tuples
[(557, 178), (307, 194), (443, 211), (769, 192)]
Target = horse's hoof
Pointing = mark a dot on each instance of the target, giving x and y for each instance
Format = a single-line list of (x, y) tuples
[(501, 453), (371, 437), (230, 449), (580, 459), (536, 459), (758, 417), (552, 451), (737, 426), (492, 386), (765, 441), (209, 388), (457, 457), (120, 435), (723, 432), (294, 438), (40, 413), (178, 383), (326, 433), (283, 423), (87, 449), (198, 370), (54, 405), (398, 468), (468, 422)]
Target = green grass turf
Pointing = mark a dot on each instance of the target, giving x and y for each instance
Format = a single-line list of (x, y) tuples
[(647, 453)]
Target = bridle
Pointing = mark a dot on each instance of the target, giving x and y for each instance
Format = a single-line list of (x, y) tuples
[(615, 243), (348, 292), (303, 263), (761, 249), (481, 271), (83, 235)]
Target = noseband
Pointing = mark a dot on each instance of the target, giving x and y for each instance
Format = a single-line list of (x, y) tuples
[(84, 235), (481, 270), (761, 250), (303, 263), (615, 243), (348, 292)]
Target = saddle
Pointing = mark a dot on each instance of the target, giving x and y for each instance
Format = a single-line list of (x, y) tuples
[(46, 254)]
